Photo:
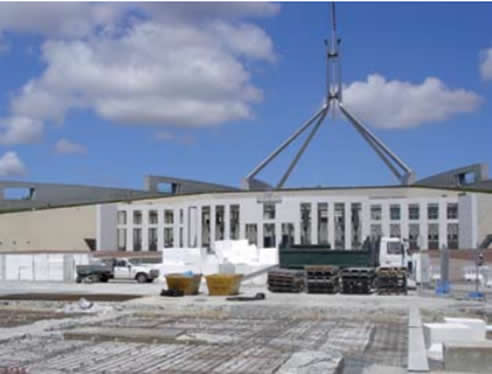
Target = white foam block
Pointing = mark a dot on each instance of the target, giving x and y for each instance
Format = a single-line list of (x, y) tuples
[(445, 332), (477, 326)]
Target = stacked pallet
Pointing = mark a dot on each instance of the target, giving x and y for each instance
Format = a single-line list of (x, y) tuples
[(286, 280), (357, 280), (323, 279), (391, 280)]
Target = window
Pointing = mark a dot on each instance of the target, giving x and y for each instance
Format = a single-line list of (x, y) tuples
[(137, 240), (168, 237), (356, 225), (413, 212), (152, 239), (287, 233), (413, 235), (433, 236), (234, 222), (339, 225), (453, 232), (219, 222), (153, 220), (394, 248), (137, 217), (376, 212), (181, 216), (322, 223), (305, 223), (268, 211), (395, 212), (432, 211), (252, 233), (395, 231), (452, 211), (269, 235), (121, 239), (121, 219), (376, 231), (168, 217)]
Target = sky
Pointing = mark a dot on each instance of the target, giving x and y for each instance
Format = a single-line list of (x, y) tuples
[(105, 93)]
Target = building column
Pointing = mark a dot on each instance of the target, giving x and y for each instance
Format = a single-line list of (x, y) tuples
[(365, 220), (443, 226), (160, 229), (227, 221), (314, 222), (404, 220), (385, 219), (145, 229), (331, 223), (212, 226), (348, 224)]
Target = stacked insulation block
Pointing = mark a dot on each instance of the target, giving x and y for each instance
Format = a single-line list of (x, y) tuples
[(357, 280), (322, 279), (286, 280)]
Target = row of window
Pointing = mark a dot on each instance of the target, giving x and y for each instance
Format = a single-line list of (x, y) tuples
[(168, 235), (414, 211), (269, 239), (269, 212), (153, 217)]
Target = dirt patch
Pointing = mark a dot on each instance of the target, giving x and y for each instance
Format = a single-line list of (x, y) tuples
[(69, 297), (14, 318)]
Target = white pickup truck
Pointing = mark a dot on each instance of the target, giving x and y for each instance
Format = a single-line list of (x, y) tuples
[(118, 268)]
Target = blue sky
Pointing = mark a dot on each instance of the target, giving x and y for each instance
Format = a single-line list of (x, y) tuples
[(261, 70)]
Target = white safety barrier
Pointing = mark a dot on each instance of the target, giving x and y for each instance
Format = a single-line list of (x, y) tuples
[(41, 266)]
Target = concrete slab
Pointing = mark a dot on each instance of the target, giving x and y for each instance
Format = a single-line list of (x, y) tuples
[(417, 356), (414, 318), (473, 357), (478, 326), (126, 334), (445, 332), (313, 362)]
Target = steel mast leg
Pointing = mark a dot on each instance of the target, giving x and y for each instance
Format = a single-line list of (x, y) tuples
[(303, 148), (409, 173), (289, 140)]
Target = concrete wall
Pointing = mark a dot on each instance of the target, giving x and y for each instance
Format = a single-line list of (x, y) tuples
[(60, 229), (467, 211), (484, 219), (106, 215)]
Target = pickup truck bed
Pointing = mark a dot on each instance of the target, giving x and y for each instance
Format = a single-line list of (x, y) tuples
[(96, 272)]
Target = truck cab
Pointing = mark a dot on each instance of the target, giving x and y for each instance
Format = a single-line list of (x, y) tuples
[(392, 253), (124, 268)]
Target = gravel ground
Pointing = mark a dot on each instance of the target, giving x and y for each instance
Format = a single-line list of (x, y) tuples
[(215, 335)]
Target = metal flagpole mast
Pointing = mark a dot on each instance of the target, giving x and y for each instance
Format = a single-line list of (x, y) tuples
[(333, 100)]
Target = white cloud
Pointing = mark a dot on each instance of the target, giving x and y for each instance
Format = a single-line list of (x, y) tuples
[(67, 20), (66, 146), (11, 165), (397, 104), (183, 65), (486, 64), (20, 130)]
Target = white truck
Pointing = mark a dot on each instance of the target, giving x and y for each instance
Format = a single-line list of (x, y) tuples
[(118, 269)]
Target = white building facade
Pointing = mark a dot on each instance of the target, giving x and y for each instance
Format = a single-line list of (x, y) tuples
[(337, 218)]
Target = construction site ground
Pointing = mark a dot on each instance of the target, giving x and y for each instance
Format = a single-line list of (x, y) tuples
[(138, 331)]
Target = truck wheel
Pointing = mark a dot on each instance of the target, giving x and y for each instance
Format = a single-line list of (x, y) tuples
[(78, 280), (104, 278), (141, 278)]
